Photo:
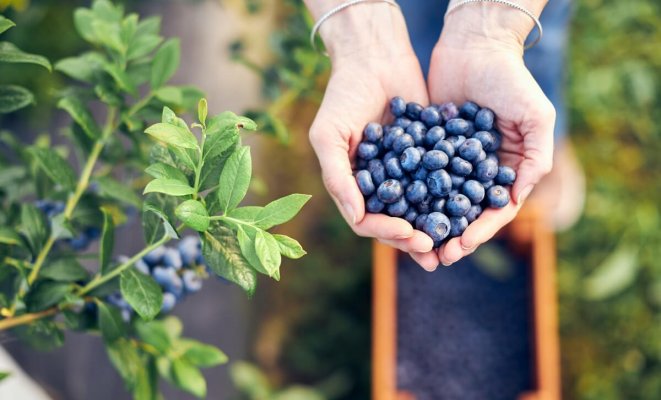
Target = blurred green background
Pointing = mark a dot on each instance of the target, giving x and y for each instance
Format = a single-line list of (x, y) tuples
[(609, 264)]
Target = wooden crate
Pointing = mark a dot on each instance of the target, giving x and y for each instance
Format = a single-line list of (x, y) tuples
[(529, 234)]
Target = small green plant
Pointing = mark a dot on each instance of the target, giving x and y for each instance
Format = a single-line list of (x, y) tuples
[(50, 211)]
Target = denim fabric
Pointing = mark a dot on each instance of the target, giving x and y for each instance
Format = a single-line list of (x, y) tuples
[(546, 61)]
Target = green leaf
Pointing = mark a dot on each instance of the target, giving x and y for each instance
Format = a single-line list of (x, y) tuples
[(189, 378), (9, 53), (229, 120), (268, 252), (166, 62), (169, 186), (107, 242), (44, 335), (222, 253), (82, 18), (143, 45), (250, 380), (81, 115), (615, 274), (121, 78), (141, 292), (113, 189), (281, 210), (169, 95), (9, 236), (131, 366), (55, 166), (108, 34), (193, 214), (5, 23), (200, 354), (45, 294), (60, 227), (34, 227), (235, 179), (247, 213), (83, 68), (154, 334), (289, 247), (110, 323), (173, 135), (202, 110), (157, 215), (161, 170), (14, 98), (246, 236), (64, 270), (169, 117), (173, 326)]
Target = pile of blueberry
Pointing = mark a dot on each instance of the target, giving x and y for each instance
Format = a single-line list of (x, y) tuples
[(178, 271), (436, 167), (83, 239)]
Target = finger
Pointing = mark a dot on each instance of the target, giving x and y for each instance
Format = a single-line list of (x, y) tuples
[(418, 243), (428, 261), (384, 227)]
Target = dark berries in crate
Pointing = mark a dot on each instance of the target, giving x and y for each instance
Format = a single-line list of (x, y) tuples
[(365, 182), (470, 149), (468, 110), (413, 111), (398, 208), (390, 191), (457, 205), (437, 226), (484, 119), (367, 151), (416, 192), (397, 106), (457, 226), (445, 146), (498, 196), (373, 132), (374, 205), (486, 170), (403, 142), (460, 167), (430, 116), (435, 159), (439, 183), (506, 175), (394, 168), (377, 170), (410, 159), (433, 135), (474, 191)]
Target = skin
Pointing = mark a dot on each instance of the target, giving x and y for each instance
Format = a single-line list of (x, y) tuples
[(373, 61)]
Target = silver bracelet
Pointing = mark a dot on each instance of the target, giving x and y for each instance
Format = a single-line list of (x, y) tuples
[(506, 3), (336, 10)]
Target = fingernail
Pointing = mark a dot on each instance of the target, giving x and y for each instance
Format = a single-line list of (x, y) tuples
[(404, 236), (468, 248), (348, 210), (445, 263), (524, 194)]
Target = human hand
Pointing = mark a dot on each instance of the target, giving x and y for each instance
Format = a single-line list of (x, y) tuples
[(367, 72), (483, 63)]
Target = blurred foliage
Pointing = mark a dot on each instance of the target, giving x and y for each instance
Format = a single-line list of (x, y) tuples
[(610, 275)]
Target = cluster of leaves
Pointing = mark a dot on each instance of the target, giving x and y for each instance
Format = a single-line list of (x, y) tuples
[(198, 182), (253, 384)]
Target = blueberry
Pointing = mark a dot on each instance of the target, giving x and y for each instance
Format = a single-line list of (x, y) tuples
[(377, 170), (498, 196), (92, 232), (390, 136), (402, 122), (172, 258), (398, 208), (473, 190), (413, 110), (142, 266), (457, 181), (411, 215), (404, 181), (438, 205), (445, 146), (435, 159), (448, 111), (456, 141), (416, 192), (420, 221), (394, 168), (481, 157), (486, 170), (473, 213), (390, 191), (388, 156), (402, 143), (162, 275), (461, 167), (169, 301), (434, 135), (471, 129), (373, 132), (457, 226), (365, 183), (457, 126), (439, 183), (420, 174), (424, 207), (422, 151), (117, 300), (437, 226), (505, 176), (189, 247), (374, 205), (155, 256), (484, 119), (397, 106), (468, 110), (457, 205), (417, 131), (487, 139), (410, 159), (192, 281), (430, 116), (470, 149), (499, 139), (487, 184), (367, 151), (79, 242)]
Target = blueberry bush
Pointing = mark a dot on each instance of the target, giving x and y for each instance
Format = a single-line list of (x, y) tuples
[(185, 181)]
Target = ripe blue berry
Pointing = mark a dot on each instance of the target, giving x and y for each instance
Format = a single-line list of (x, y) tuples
[(457, 226), (163, 275), (420, 221), (402, 143), (411, 215), (413, 110), (388, 156), (457, 126), (410, 159), (169, 301), (498, 196), (405, 181), (373, 132), (481, 157), (445, 146), (377, 170), (473, 190), (457, 205), (438, 205), (420, 174), (470, 149), (141, 266), (448, 111), (499, 139), (460, 167), (439, 183), (390, 135), (172, 258), (468, 110), (192, 281), (365, 183), (367, 151), (487, 139), (424, 207), (394, 168), (457, 181), (437, 226), (374, 205), (506, 175), (398, 208), (402, 122), (397, 106), (422, 150), (434, 134), (430, 116), (456, 141), (486, 170), (416, 192), (487, 184), (417, 131), (435, 159), (190, 248), (484, 119), (473, 213), (390, 191), (79, 242), (155, 256)]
